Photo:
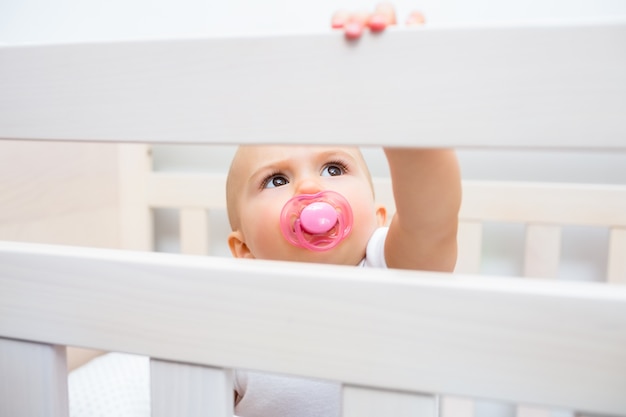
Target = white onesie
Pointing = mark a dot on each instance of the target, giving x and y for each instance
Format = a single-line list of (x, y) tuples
[(118, 385)]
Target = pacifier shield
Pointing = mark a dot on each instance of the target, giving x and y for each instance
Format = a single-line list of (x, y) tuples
[(317, 222)]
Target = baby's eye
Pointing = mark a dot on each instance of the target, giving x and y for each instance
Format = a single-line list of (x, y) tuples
[(276, 180), (333, 170)]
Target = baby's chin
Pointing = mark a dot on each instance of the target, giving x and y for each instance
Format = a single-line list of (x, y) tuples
[(334, 256)]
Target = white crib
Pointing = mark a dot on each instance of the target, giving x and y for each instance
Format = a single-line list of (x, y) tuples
[(394, 339)]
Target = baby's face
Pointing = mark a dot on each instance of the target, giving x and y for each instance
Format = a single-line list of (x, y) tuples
[(268, 176)]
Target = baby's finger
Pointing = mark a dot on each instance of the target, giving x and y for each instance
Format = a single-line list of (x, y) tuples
[(339, 19), (353, 28), (384, 15), (415, 19)]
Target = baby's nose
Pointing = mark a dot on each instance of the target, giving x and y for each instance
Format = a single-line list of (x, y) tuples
[(309, 186)]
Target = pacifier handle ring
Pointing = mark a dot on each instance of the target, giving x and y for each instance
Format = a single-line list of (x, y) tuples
[(301, 240), (294, 232)]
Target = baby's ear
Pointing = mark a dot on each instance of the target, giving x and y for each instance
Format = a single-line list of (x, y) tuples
[(238, 246), (381, 215)]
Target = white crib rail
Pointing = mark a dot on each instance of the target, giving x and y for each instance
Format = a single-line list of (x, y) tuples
[(528, 341), (535, 86)]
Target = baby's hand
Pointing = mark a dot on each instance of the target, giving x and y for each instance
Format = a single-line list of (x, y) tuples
[(384, 15)]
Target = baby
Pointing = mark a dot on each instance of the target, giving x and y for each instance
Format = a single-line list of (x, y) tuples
[(279, 198), (263, 182), (270, 192), (316, 204)]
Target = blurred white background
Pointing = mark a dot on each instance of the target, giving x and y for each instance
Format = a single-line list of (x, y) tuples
[(84, 20)]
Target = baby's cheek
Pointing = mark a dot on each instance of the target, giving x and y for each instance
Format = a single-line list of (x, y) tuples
[(266, 235), (365, 222)]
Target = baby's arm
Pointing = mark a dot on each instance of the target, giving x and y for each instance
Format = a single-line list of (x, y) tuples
[(426, 182), (427, 192)]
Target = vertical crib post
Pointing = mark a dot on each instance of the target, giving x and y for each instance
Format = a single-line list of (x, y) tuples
[(368, 402), (616, 269), (136, 228), (33, 379), (179, 389), (194, 231), (543, 251), (470, 240), (541, 260)]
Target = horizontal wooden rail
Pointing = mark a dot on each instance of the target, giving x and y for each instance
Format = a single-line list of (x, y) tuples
[(551, 203), (562, 344), (168, 189), (532, 86)]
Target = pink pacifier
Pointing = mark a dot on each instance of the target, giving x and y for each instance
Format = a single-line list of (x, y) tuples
[(317, 222)]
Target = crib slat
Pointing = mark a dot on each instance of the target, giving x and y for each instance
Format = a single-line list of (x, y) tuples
[(367, 402), (542, 251), (33, 379), (136, 219), (469, 237), (179, 389), (167, 189), (616, 269), (541, 260), (194, 231)]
